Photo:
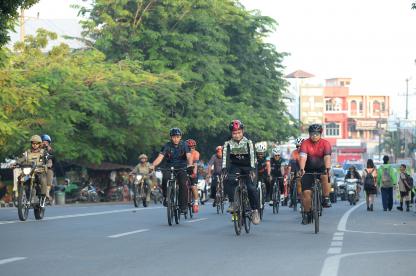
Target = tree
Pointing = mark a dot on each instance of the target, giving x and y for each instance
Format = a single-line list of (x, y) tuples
[(216, 46), (8, 15)]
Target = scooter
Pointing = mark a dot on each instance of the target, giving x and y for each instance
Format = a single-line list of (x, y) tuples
[(352, 190), (89, 194)]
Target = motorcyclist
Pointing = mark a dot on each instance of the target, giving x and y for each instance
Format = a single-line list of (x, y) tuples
[(145, 169), (38, 155), (354, 174)]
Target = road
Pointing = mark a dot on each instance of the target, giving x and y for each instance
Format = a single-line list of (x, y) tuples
[(123, 240)]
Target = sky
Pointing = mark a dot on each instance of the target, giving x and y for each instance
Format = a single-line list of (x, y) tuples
[(371, 41)]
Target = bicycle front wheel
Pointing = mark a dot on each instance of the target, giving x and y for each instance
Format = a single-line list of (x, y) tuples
[(316, 209), (170, 206), (237, 211)]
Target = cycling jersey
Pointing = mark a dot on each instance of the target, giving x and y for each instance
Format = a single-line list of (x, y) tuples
[(239, 153), (175, 155), (294, 161), (315, 153), (195, 156), (262, 164), (276, 167)]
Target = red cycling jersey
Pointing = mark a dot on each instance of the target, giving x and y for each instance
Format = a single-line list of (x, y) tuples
[(315, 154)]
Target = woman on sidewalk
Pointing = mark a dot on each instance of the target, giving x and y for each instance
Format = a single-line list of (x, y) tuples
[(370, 184), (404, 188)]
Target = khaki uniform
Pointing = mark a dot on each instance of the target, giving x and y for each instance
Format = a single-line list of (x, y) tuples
[(145, 170), (41, 170)]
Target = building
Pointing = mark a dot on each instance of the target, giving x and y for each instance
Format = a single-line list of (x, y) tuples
[(311, 105)]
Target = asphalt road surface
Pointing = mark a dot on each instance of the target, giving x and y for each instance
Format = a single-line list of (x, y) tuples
[(123, 240)]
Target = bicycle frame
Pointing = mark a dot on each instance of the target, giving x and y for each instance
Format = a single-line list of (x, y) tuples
[(316, 199)]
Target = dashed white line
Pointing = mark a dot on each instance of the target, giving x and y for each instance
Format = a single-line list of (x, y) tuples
[(85, 214), (336, 243), (196, 220), (339, 234), (336, 238), (10, 260), (128, 233), (334, 250)]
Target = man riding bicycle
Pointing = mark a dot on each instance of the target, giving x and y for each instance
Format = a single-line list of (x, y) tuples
[(263, 167), (238, 157), (276, 172), (294, 166), (176, 153), (315, 157), (214, 171), (194, 176)]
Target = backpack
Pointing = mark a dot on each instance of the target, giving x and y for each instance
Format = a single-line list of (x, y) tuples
[(409, 182), (386, 180), (369, 181)]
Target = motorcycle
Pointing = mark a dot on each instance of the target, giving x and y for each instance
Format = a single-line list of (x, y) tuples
[(29, 193), (140, 190), (341, 188), (203, 189), (89, 194), (352, 191)]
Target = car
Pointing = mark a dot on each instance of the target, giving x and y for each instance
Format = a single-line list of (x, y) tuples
[(337, 184)]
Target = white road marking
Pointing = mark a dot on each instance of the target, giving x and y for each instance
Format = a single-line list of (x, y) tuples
[(339, 234), (336, 243), (331, 264), (128, 233), (85, 214), (10, 260), (336, 238), (196, 220), (381, 233), (342, 225), (334, 250)]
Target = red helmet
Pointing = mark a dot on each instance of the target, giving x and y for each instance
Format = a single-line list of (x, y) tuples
[(236, 125), (191, 143), (219, 148)]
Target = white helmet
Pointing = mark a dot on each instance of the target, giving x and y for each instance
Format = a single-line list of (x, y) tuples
[(261, 147), (299, 140), (276, 151)]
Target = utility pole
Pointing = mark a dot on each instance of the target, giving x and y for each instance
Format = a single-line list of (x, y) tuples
[(22, 24)]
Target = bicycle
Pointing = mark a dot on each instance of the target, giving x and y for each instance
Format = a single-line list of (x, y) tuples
[(294, 192), (241, 206), (276, 195), (190, 196), (219, 196), (316, 200), (173, 210)]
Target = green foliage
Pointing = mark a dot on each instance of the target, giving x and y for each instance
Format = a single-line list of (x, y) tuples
[(8, 15)]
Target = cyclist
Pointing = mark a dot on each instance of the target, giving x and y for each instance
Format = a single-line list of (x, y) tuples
[(239, 157), (214, 171), (315, 157), (46, 144), (194, 176), (276, 172), (144, 168), (263, 167), (294, 166), (37, 153), (176, 154)]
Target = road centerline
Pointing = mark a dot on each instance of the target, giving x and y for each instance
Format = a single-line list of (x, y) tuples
[(128, 233), (10, 260)]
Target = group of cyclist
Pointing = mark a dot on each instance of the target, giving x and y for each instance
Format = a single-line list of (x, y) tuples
[(238, 155)]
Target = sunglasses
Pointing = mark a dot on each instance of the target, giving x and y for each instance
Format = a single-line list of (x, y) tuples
[(315, 134)]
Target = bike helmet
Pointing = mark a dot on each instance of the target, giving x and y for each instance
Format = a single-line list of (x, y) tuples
[(175, 131), (141, 156), (298, 141), (191, 143), (261, 147), (36, 139), (315, 128), (46, 137), (235, 125), (276, 151), (219, 148)]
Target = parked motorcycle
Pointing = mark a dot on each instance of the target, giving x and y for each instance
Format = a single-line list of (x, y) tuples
[(352, 190), (89, 194)]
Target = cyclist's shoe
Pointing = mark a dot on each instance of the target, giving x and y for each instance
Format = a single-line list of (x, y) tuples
[(233, 216), (195, 208), (271, 203), (184, 209), (165, 203), (326, 203), (307, 218), (399, 208), (214, 203), (255, 217)]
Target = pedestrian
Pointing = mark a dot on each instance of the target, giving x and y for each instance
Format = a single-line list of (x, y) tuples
[(386, 179), (405, 186), (370, 184)]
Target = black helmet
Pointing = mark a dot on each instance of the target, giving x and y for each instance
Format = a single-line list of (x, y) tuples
[(315, 128), (175, 131), (235, 125)]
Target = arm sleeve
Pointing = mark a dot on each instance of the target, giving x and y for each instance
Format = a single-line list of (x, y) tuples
[(225, 155), (327, 148), (164, 150), (252, 155), (211, 161)]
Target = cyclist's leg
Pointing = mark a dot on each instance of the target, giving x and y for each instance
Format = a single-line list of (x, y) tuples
[(253, 196), (307, 182), (229, 183), (181, 177), (213, 186), (165, 177), (194, 182), (326, 186), (269, 188)]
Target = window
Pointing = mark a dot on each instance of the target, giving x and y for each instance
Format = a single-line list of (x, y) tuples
[(383, 106), (342, 83), (332, 129), (376, 107), (361, 107), (353, 107), (333, 104), (329, 106)]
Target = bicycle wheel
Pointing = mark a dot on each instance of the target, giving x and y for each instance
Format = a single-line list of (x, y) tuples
[(218, 203), (170, 206), (277, 199), (22, 203), (176, 210), (316, 209), (246, 212), (237, 211), (295, 196), (261, 206)]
